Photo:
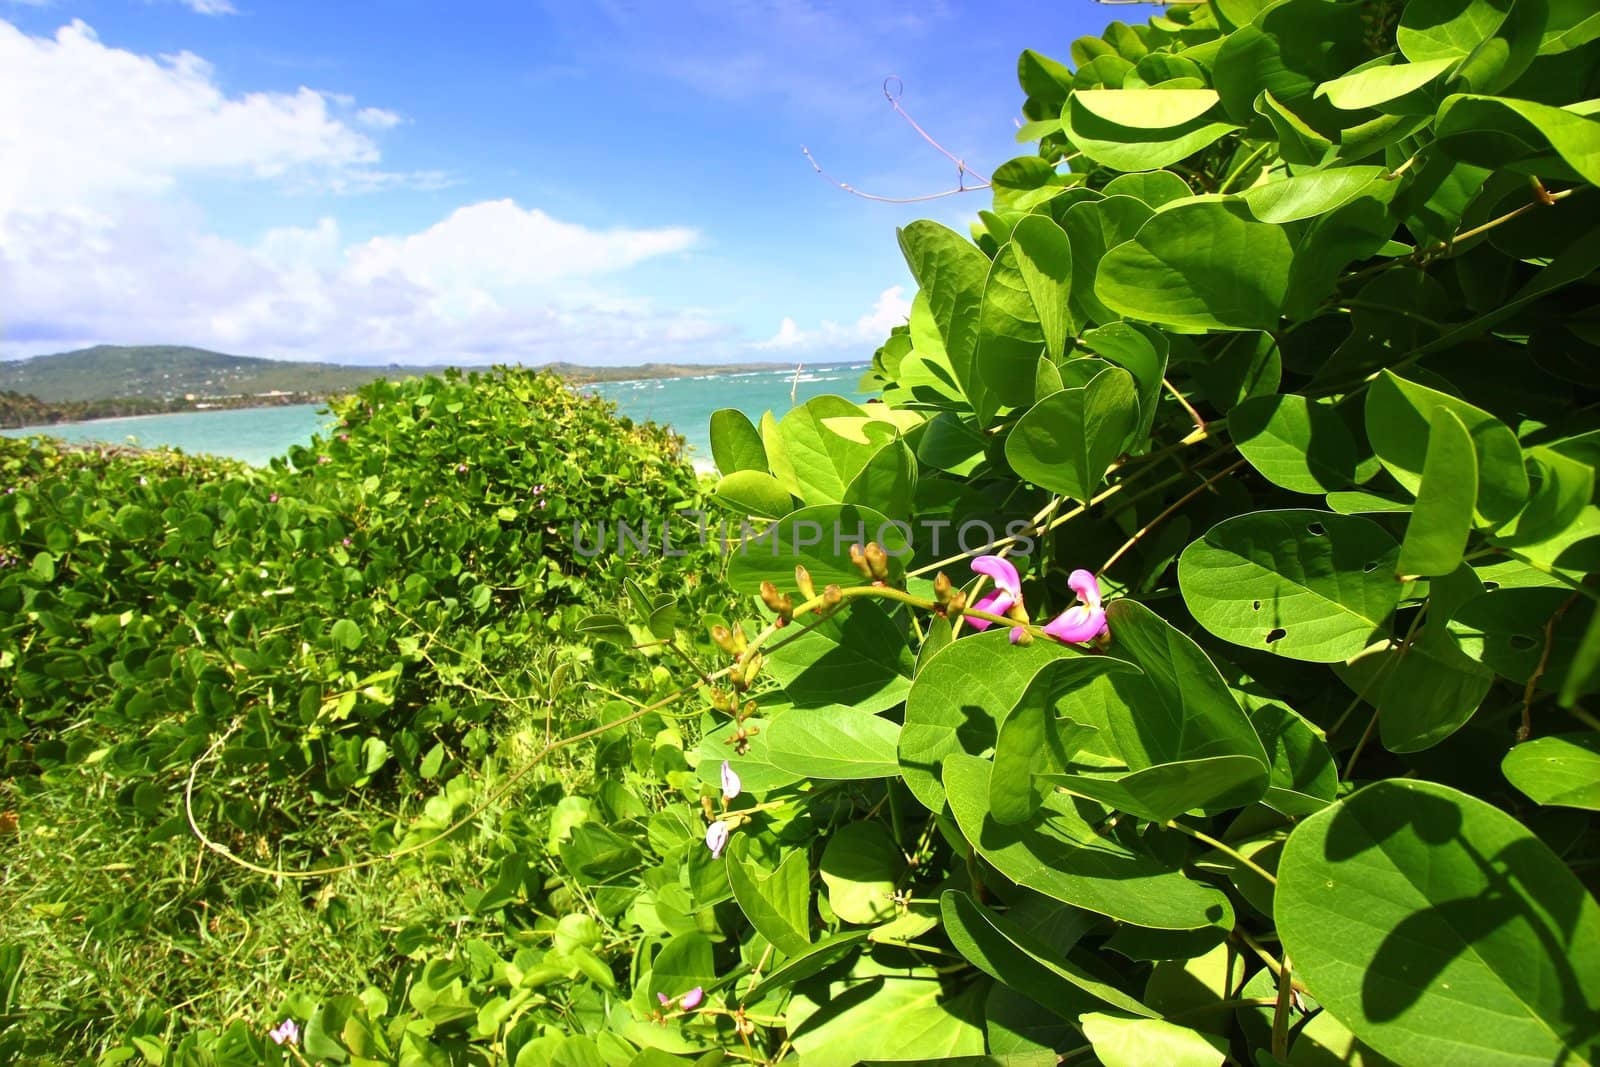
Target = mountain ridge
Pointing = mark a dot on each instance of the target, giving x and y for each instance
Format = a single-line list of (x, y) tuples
[(186, 374)]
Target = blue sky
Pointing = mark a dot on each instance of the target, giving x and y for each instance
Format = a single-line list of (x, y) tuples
[(478, 182)]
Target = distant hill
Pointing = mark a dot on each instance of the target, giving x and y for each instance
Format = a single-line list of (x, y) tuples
[(183, 375)]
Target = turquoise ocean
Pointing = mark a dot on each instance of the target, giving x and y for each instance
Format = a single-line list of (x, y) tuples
[(256, 435)]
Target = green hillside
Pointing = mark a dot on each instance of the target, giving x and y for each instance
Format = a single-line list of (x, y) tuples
[(177, 372)]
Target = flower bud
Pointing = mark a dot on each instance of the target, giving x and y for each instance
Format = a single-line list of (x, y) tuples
[(691, 1000), (832, 596), (720, 700), (779, 603), (956, 604), (942, 588), (739, 642), (802, 582), (752, 668), (731, 785), (859, 558), (877, 561), (724, 639), (717, 838)]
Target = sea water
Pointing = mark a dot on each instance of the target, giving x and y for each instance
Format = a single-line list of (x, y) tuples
[(256, 435)]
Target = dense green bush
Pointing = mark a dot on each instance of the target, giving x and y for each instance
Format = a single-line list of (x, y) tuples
[(345, 654)]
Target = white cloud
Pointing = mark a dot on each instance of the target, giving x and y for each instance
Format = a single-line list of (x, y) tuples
[(890, 310), (210, 7), (103, 122), (98, 243)]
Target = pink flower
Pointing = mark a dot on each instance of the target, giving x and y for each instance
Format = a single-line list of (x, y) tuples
[(286, 1033), (717, 838), (1084, 621), (1007, 589), (731, 785), (664, 999), (273, 499), (324, 459), (691, 1000)]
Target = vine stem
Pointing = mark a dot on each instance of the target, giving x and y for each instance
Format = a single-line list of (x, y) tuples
[(1159, 519), (1280, 1011), (1205, 838), (1366, 735), (1242, 167)]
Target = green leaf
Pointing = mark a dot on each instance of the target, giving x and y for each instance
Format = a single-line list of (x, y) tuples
[(1122, 1042), (683, 963), (1296, 443), (1379, 85), (1399, 414), (1010, 338), (834, 745), (855, 661), (1147, 109), (735, 442), (891, 1019), (1306, 196), (963, 691), (1303, 778), (1029, 743), (1066, 857), (1142, 352), (1436, 535), (1200, 266), (754, 492), (777, 903), (859, 866), (1303, 584), (951, 271), (1155, 188), (1497, 131), (813, 959), (1008, 953), (1066, 441), (1094, 228), (1561, 770), (1044, 257), (1424, 692), (346, 634), (818, 538), (1439, 930), (1176, 726), (1131, 148), (824, 461)]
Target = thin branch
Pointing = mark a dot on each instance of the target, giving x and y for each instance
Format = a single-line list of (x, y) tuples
[(853, 191), (893, 96), (962, 170)]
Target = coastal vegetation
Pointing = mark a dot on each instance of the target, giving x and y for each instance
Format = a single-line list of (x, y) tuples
[(1189, 660)]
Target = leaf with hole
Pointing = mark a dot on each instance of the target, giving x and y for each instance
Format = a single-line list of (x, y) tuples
[(1308, 585)]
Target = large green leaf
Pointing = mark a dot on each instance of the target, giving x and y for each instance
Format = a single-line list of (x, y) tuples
[(1044, 257), (1066, 442), (834, 745), (1296, 443), (735, 442), (1398, 416), (1563, 770), (964, 690), (1186, 742), (854, 661), (891, 1019), (1306, 196), (1147, 109), (1436, 535), (823, 460), (1379, 85), (1130, 148), (1066, 857), (1200, 266), (1010, 339), (1304, 777), (1094, 228), (1304, 584), (777, 903), (951, 272), (1497, 131), (1492, 41), (1122, 1042), (1423, 692), (1008, 953), (859, 866), (1439, 930), (753, 492), (1142, 352)]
